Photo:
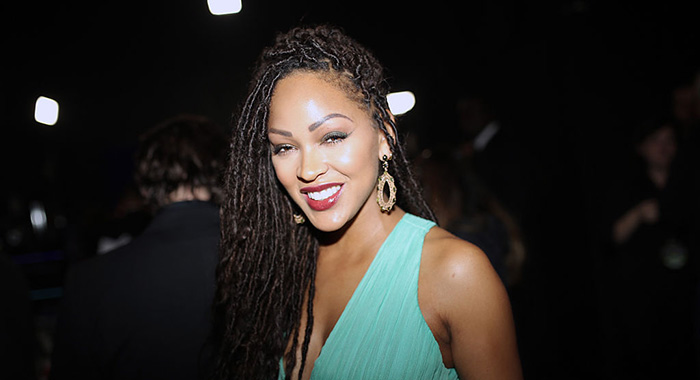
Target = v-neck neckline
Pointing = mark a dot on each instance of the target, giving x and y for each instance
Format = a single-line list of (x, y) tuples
[(362, 284)]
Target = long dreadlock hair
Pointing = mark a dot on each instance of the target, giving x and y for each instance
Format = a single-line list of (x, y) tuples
[(268, 263)]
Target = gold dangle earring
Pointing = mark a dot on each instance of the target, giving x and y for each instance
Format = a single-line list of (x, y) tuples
[(386, 179), (299, 218)]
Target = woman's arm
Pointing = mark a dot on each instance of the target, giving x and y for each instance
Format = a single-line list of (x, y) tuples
[(474, 306), (645, 212)]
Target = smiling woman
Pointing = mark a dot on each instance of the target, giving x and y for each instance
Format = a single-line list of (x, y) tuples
[(330, 149), (337, 295)]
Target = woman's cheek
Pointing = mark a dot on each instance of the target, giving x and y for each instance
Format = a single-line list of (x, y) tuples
[(347, 155), (283, 171)]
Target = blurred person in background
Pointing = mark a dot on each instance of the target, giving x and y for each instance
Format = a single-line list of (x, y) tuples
[(686, 112), (465, 207), (127, 220), (142, 311), (649, 282), (495, 151)]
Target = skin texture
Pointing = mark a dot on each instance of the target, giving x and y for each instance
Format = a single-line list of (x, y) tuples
[(460, 295), (184, 193)]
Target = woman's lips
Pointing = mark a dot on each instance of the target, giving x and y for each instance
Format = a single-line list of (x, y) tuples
[(322, 197)]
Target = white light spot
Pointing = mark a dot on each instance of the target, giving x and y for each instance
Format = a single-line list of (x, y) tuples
[(401, 102), (224, 7), (46, 111), (37, 215)]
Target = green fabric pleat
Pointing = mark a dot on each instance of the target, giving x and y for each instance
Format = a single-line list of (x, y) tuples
[(382, 334)]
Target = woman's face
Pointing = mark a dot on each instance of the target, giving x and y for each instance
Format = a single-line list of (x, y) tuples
[(325, 149), (659, 148)]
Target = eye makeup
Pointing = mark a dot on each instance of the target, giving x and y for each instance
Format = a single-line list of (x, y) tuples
[(334, 137)]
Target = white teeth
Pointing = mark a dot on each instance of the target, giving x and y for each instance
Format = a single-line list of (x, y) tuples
[(323, 194)]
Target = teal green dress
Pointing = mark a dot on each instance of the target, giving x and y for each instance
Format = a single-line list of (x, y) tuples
[(382, 334)]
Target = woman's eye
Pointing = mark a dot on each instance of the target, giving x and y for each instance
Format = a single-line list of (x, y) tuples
[(334, 137), (281, 149)]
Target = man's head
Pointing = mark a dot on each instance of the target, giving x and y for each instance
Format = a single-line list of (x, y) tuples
[(181, 159)]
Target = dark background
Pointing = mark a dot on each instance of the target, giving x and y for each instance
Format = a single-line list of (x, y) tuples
[(571, 75)]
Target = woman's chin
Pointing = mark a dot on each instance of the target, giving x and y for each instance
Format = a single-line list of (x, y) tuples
[(328, 223)]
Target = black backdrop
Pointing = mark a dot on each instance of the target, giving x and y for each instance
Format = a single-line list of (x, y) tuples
[(572, 75)]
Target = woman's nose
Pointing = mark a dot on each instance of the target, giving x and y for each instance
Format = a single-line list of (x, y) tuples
[(312, 165)]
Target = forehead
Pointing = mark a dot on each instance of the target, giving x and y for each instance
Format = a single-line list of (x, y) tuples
[(325, 88)]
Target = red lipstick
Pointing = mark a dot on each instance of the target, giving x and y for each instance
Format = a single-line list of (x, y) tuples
[(322, 197)]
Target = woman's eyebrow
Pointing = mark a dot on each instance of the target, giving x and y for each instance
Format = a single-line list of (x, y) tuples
[(324, 119), (280, 132)]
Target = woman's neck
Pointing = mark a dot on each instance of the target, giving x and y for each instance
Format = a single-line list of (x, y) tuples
[(362, 235), (186, 193), (659, 176)]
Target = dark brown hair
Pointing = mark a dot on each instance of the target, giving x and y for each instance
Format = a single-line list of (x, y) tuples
[(187, 150), (268, 263)]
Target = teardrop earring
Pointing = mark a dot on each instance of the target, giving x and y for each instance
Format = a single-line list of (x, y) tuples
[(384, 180)]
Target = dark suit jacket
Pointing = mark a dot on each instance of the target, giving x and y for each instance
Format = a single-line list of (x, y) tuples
[(17, 333), (143, 311)]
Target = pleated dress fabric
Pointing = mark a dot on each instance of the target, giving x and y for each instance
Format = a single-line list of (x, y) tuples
[(382, 334)]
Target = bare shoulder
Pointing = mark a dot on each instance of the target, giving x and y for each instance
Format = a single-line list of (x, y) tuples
[(460, 282), (456, 261), (463, 290)]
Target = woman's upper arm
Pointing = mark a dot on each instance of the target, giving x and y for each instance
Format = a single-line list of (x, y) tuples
[(475, 308)]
